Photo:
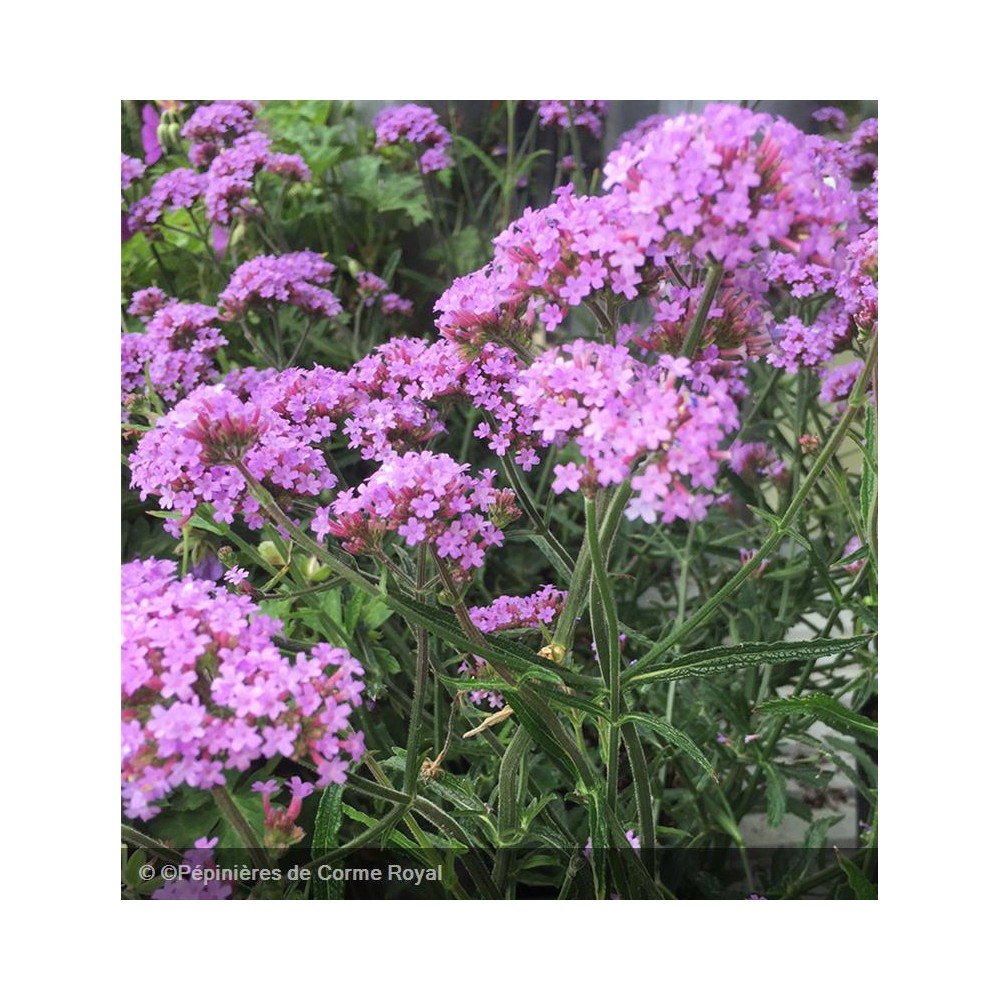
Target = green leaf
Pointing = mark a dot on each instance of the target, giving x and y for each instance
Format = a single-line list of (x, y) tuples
[(708, 662), (777, 794), (828, 710), (464, 146), (675, 737), (329, 817), (860, 886), (816, 834)]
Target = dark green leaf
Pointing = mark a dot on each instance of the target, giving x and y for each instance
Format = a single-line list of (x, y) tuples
[(675, 737), (708, 662), (828, 710), (861, 887)]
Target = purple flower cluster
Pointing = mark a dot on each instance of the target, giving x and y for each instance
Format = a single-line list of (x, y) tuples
[(505, 614), (798, 345), (581, 114), (836, 118), (371, 286), (177, 349), (424, 498), (291, 279), (624, 415), (231, 174), (729, 183), (836, 383), (213, 127), (225, 139), (179, 188), (132, 170), (418, 125), (188, 457), (199, 859), (857, 286), (205, 690)]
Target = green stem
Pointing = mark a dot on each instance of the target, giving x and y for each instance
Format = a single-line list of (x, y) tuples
[(641, 785), (508, 801), (239, 823), (563, 635), (606, 616), (692, 343), (137, 839), (419, 684), (524, 498)]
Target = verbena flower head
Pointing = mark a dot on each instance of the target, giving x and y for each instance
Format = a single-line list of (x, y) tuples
[(230, 177), (205, 690), (630, 420), (580, 114), (730, 183), (506, 614), (291, 279), (418, 125), (424, 498), (177, 189), (188, 457), (215, 126), (177, 349), (798, 345)]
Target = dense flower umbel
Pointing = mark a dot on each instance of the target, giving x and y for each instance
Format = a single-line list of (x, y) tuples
[(187, 458), (418, 125), (581, 114), (729, 183), (180, 188), (231, 175), (623, 414), (424, 498), (178, 347), (505, 614), (205, 690), (291, 279), (214, 126)]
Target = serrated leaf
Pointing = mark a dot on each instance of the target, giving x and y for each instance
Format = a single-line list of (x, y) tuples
[(816, 834), (708, 662), (777, 794), (860, 886), (675, 737), (329, 817), (828, 710)]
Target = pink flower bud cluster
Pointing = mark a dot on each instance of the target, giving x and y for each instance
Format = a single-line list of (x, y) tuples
[(205, 690)]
